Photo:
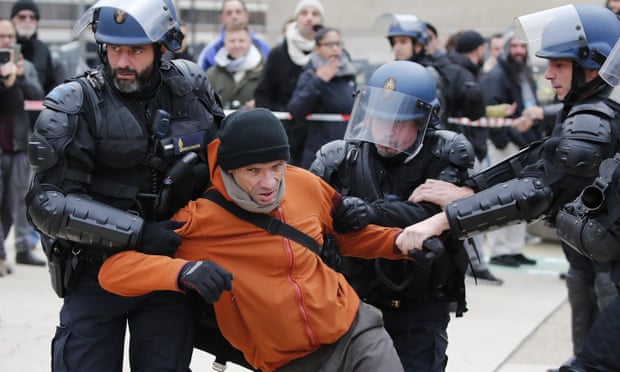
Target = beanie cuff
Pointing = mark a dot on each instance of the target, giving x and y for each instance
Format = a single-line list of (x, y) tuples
[(25, 5), (265, 155)]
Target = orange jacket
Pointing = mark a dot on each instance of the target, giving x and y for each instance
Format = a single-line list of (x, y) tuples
[(285, 301)]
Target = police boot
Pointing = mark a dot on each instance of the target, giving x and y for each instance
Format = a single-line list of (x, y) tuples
[(28, 258)]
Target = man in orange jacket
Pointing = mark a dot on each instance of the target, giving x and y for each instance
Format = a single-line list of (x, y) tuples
[(286, 310)]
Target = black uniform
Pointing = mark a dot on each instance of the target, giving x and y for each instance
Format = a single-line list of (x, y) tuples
[(590, 225), (539, 180), (106, 164), (415, 297)]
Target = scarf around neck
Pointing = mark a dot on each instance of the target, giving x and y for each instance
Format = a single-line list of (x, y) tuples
[(242, 199), (299, 48), (245, 63)]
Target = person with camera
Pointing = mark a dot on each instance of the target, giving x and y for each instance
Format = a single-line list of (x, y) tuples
[(19, 83), (115, 153), (376, 172)]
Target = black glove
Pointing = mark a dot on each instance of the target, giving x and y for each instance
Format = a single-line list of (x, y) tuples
[(206, 278), (159, 238), (353, 214), (432, 248)]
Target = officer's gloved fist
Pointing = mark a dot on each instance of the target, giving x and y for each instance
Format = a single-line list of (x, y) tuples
[(206, 278), (353, 214), (159, 238)]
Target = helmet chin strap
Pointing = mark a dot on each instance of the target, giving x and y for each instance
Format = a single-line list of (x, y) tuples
[(579, 84)]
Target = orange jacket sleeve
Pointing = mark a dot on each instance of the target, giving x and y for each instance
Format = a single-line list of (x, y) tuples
[(131, 273)]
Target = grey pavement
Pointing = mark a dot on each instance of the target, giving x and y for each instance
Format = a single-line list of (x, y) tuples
[(521, 326)]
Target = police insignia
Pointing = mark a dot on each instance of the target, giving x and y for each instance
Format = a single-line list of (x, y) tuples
[(120, 16), (389, 86), (188, 142)]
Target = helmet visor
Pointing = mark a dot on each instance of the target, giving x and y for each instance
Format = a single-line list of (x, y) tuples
[(391, 120), (407, 22), (565, 36), (610, 71), (154, 16)]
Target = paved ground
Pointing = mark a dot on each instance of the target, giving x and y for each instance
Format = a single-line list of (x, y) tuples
[(522, 326)]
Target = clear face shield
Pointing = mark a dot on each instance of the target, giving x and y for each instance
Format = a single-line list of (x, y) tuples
[(396, 123), (406, 22), (155, 16), (610, 71), (565, 36)]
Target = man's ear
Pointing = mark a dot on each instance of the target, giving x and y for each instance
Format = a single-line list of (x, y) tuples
[(163, 49)]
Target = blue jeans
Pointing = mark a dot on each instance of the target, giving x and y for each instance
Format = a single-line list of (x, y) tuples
[(420, 335)]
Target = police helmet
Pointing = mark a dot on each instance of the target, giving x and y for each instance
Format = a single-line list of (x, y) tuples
[(583, 33), (407, 25), (398, 94), (123, 22)]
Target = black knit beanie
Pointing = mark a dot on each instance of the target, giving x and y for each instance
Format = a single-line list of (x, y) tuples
[(25, 5), (252, 136), (468, 41)]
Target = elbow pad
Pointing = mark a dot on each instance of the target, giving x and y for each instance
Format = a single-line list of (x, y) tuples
[(522, 199), (81, 220), (587, 236)]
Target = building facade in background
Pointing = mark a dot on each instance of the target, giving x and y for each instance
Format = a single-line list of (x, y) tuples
[(354, 18)]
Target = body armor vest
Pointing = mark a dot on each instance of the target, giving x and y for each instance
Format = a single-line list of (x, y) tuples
[(362, 174), (132, 154)]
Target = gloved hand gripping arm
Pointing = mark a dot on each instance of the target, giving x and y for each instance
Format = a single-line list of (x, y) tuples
[(353, 214)]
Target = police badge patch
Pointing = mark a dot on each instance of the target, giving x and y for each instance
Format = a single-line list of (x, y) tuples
[(120, 16)]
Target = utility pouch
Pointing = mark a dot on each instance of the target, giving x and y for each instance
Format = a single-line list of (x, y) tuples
[(58, 264)]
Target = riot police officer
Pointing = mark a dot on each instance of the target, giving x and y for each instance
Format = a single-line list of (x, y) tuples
[(544, 176), (540, 179), (459, 95), (115, 152), (391, 145), (590, 225)]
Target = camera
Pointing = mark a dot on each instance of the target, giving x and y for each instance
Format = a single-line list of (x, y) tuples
[(5, 56)]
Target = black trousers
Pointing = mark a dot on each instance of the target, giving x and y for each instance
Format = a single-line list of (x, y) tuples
[(93, 323)]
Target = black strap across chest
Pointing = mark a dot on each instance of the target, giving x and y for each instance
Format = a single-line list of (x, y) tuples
[(271, 224)]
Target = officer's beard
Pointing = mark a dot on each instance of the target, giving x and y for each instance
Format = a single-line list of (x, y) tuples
[(139, 83)]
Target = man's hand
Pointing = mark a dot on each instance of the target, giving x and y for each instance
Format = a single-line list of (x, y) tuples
[(413, 237), (439, 192), (159, 238), (353, 214), (207, 278), (8, 74), (328, 70)]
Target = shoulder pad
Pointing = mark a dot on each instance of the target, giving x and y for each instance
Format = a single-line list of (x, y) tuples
[(328, 158), (588, 125), (192, 72), (598, 108), (455, 147), (67, 97)]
